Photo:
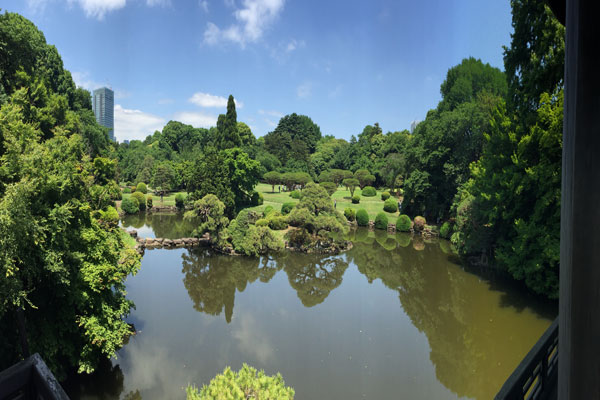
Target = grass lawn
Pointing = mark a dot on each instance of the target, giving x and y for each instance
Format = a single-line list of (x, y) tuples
[(167, 200), (373, 205)]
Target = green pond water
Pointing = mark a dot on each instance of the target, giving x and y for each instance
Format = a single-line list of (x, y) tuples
[(392, 318)]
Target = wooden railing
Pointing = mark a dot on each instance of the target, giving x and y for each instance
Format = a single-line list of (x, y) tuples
[(30, 379), (536, 377)]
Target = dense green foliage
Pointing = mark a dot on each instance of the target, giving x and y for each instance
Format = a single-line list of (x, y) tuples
[(403, 223), (63, 261), (369, 191), (446, 230), (245, 384), (356, 199), (362, 217), (211, 213), (141, 200), (272, 178), (390, 205), (252, 239), (351, 184), (130, 205), (141, 187), (385, 195), (287, 207), (381, 221), (316, 219), (295, 194), (510, 209), (180, 201), (329, 186), (350, 214), (293, 141)]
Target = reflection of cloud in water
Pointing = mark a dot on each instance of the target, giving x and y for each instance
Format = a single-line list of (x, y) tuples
[(154, 370), (252, 339)]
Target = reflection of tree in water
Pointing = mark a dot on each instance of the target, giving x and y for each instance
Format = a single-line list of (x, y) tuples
[(212, 279), (164, 225), (106, 383), (313, 276), (475, 343)]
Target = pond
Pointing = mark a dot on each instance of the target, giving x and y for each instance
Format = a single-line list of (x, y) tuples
[(394, 317)]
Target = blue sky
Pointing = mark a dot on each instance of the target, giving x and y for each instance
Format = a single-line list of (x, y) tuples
[(345, 64)]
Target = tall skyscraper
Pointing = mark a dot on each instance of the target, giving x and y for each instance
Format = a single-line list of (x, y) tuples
[(103, 103)]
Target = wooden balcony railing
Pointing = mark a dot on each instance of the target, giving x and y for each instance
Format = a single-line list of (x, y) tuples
[(536, 377), (30, 379)]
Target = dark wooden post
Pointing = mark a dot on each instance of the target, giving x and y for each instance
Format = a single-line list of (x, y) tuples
[(579, 327)]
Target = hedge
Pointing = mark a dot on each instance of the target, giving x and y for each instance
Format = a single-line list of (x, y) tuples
[(356, 199), (287, 207), (369, 191), (139, 196), (362, 217), (403, 223), (141, 187), (130, 205), (390, 205), (381, 221), (385, 196)]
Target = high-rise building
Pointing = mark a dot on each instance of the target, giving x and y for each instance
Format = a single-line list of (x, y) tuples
[(413, 125), (103, 103)]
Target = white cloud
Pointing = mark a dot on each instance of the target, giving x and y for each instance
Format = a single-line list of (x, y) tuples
[(162, 3), (272, 113), (135, 124), (252, 19), (196, 119), (204, 5), (272, 124), (210, 100), (303, 91), (98, 8), (82, 79)]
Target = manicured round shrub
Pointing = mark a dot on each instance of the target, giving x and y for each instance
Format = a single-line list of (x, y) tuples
[(268, 210), (381, 221), (385, 195), (295, 194), (390, 205), (180, 201), (126, 190), (362, 217), (287, 207), (403, 223), (369, 191), (245, 384), (446, 230), (350, 214), (139, 196), (419, 223), (141, 187), (149, 201), (356, 199), (130, 205)]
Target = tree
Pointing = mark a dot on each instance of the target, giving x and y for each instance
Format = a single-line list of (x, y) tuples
[(294, 139), (364, 178), (329, 186), (272, 178), (246, 136), (211, 213), (534, 62), (53, 242), (351, 184), (163, 178), (243, 174), (228, 128)]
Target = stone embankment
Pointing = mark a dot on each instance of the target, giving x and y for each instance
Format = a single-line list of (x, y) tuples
[(163, 243), (427, 232)]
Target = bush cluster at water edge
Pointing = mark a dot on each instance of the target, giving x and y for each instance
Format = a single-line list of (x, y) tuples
[(245, 384), (381, 221), (362, 217), (403, 223)]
